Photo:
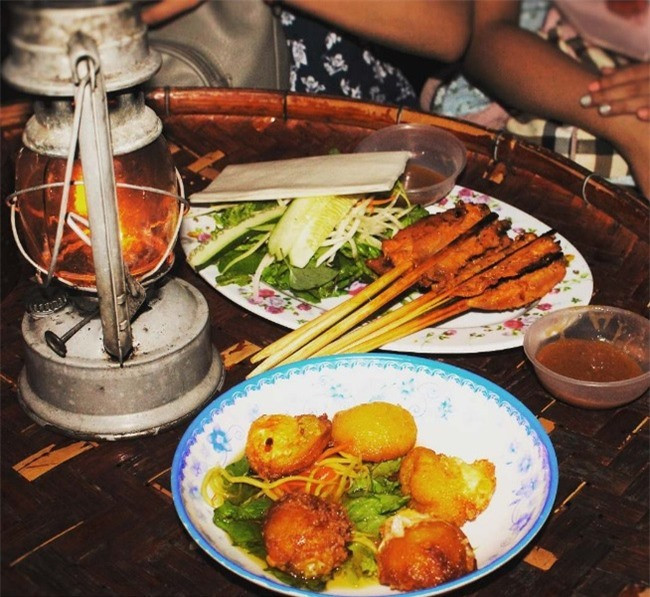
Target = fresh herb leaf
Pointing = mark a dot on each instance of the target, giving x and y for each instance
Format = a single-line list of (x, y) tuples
[(387, 468), (242, 269), (243, 523), (245, 534), (375, 496), (369, 512), (252, 510), (417, 213), (239, 212), (239, 468), (360, 564), (306, 278), (380, 478), (238, 493)]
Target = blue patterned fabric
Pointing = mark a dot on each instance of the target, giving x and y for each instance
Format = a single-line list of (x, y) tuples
[(330, 62)]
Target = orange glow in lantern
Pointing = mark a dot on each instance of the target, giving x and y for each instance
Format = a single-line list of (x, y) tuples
[(148, 220)]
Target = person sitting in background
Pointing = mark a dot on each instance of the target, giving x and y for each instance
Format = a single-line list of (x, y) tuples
[(529, 72), (485, 41)]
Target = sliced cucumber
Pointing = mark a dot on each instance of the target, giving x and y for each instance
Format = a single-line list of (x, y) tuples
[(202, 253), (307, 222)]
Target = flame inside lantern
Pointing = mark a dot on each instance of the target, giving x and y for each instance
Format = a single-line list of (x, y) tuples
[(147, 219)]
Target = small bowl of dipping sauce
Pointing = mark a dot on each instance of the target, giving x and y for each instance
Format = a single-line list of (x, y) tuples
[(591, 356), (437, 158)]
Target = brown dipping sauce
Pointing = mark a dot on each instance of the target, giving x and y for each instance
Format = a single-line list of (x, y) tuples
[(418, 177), (588, 360)]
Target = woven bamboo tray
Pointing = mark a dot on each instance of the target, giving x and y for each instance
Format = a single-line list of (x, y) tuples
[(93, 518)]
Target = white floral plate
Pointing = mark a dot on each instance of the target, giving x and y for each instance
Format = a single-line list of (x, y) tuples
[(473, 332), (457, 413)]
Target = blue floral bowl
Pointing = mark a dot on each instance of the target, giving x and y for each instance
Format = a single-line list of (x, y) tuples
[(457, 413)]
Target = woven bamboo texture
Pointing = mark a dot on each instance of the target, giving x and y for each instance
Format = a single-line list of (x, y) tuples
[(89, 518)]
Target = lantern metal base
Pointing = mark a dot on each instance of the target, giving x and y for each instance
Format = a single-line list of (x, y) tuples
[(173, 371)]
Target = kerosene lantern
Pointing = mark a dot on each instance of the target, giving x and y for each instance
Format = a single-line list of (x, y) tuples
[(114, 348)]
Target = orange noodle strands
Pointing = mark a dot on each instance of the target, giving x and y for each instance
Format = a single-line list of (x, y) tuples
[(330, 477)]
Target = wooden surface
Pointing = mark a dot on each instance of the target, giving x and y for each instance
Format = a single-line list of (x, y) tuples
[(93, 518)]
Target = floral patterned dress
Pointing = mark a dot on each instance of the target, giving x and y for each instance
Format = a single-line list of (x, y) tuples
[(326, 61)]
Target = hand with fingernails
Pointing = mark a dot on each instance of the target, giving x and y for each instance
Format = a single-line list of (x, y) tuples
[(624, 90)]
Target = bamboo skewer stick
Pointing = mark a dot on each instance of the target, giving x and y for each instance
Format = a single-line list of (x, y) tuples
[(410, 327), (413, 309), (359, 315), (304, 346), (277, 351)]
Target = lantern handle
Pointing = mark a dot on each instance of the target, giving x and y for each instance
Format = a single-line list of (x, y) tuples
[(63, 208)]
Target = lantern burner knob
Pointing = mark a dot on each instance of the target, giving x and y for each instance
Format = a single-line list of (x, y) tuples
[(57, 343), (45, 301)]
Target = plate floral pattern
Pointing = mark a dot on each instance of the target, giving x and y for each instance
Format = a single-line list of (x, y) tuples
[(472, 332), (457, 413)]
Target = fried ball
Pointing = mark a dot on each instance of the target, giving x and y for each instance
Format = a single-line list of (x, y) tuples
[(375, 431), (419, 554), (306, 536), (445, 486), (279, 445)]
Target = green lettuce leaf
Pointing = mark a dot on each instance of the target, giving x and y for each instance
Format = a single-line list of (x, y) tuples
[(374, 497), (368, 512), (360, 564), (243, 523), (308, 277)]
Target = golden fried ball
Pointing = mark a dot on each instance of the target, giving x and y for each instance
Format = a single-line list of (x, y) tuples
[(375, 431), (423, 554), (446, 486), (279, 445), (306, 536)]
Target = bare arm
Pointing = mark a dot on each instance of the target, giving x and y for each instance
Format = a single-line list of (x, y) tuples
[(438, 29), (526, 72), (162, 11)]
